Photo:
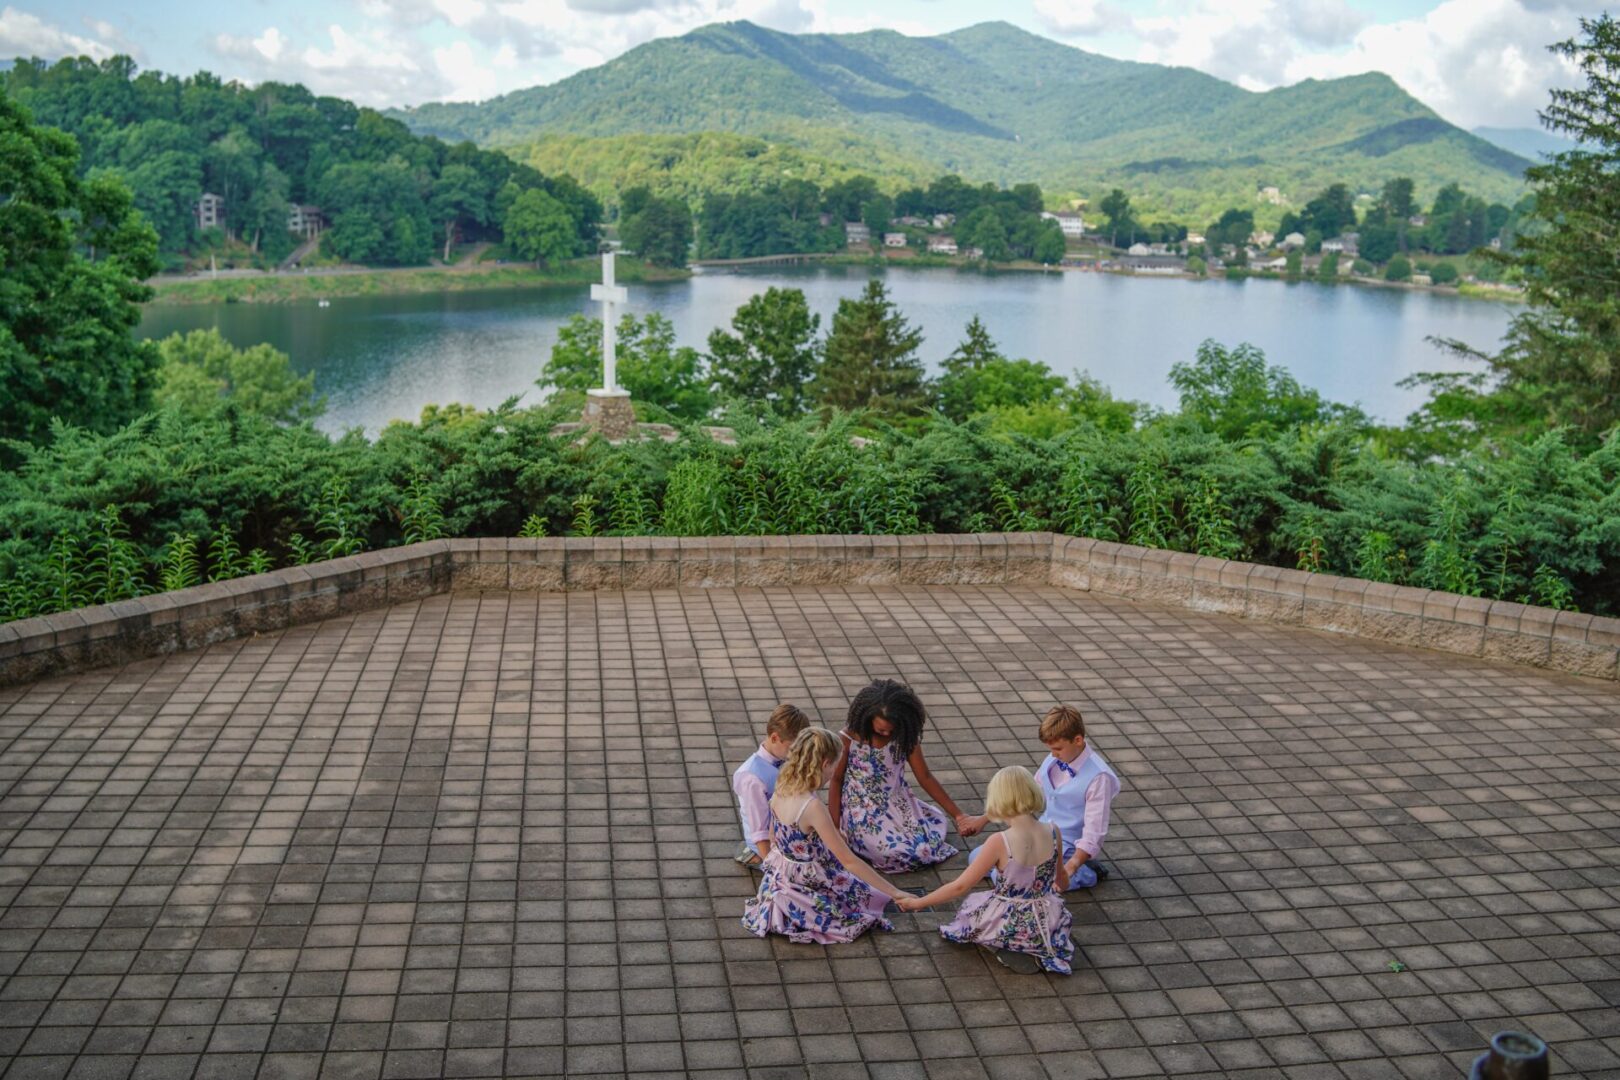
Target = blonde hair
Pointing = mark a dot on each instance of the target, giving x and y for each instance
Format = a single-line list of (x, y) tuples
[(787, 721), (1063, 722), (1012, 792), (807, 761)]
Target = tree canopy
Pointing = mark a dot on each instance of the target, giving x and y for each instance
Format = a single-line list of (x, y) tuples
[(386, 192), (73, 256)]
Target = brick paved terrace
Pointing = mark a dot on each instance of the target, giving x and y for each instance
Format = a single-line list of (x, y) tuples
[(489, 835)]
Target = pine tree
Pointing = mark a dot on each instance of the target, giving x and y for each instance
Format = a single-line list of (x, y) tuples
[(1562, 360), (870, 360)]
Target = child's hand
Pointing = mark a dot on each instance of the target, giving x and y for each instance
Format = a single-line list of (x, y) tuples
[(910, 903), (967, 825)]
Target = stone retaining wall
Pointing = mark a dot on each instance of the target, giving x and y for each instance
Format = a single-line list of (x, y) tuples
[(166, 622)]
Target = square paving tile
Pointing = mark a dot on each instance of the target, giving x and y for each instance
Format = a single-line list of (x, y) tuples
[(489, 835)]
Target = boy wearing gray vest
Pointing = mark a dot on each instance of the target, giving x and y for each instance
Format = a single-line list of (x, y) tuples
[(754, 782), (1079, 786)]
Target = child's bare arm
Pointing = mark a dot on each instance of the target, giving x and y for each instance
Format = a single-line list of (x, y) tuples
[(835, 790), (984, 860), (1062, 867), (817, 818), (965, 825)]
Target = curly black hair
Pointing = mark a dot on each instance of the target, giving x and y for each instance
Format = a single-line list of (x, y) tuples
[(895, 702)]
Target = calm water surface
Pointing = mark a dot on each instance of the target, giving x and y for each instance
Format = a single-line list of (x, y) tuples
[(382, 358)]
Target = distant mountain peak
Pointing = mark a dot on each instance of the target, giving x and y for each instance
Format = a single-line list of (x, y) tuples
[(994, 101)]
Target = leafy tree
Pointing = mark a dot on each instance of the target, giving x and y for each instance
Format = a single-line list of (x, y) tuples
[(985, 230), (73, 256), (1399, 269), (1232, 229), (201, 371), (876, 213), (377, 213), (770, 357), (1328, 271), (1443, 273), (460, 196), (870, 358), (661, 232), (1396, 199), (538, 227), (1379, 243), (1233, 393), (1050, 245), (649, 364), (1330, 213), (1116, 210)]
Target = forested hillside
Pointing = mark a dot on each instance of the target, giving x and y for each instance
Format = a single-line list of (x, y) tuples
[(996, 103), (384, 196)]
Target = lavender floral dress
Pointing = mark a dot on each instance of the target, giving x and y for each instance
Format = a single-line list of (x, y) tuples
[(1023, 913), (884, 822), (807, 894)]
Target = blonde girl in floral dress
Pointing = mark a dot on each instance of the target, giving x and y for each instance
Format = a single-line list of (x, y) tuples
[(814, 889), (1023, 918), (884, 822)]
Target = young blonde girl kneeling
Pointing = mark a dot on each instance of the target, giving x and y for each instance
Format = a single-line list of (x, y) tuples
[(1023, 917), (814, 889)]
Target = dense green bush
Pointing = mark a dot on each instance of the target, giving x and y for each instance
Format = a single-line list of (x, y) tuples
[(174, 498)]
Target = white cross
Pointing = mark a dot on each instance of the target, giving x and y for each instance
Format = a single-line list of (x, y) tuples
[(609, 296)]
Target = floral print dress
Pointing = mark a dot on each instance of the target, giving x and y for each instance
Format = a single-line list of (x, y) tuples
[(807, 895), (884, 822), (1023, 913)]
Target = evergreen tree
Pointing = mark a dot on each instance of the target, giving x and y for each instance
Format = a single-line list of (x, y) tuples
[(771, 358), (870, 360), (1561, 362)]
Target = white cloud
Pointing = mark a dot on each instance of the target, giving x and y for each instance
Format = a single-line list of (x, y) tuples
[(468, 76), (23, 34), (370, 66), (269, 44), (1076, 18), (1473, 61)]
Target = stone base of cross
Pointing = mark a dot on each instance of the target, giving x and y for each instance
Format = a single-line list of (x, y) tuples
[(608, 410)]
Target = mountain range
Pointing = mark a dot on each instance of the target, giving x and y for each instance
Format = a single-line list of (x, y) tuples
[(1532, 143), (994, 102)]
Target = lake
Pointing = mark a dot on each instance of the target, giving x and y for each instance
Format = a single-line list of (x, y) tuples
[(381, 358)]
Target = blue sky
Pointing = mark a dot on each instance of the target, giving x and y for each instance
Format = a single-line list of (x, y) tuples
[(1475, 61)]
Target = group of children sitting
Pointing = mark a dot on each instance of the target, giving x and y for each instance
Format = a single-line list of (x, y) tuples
[(824, 864)]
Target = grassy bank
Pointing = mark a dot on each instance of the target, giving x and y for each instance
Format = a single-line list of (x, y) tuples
[(293, 287)]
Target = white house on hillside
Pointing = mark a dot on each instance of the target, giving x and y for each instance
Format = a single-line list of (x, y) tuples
[(856, 232), (894, 239), (1348, 244), (1292, 240), (305, 221), (1139, 249), (1070, 221), (942, 245), (210, 211)]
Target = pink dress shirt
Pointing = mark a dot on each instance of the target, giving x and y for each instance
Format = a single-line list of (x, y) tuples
[(753, 802), (1099, 800)]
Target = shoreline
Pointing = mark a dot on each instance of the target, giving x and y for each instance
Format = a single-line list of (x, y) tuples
[(335, 283), (1465, 290)]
